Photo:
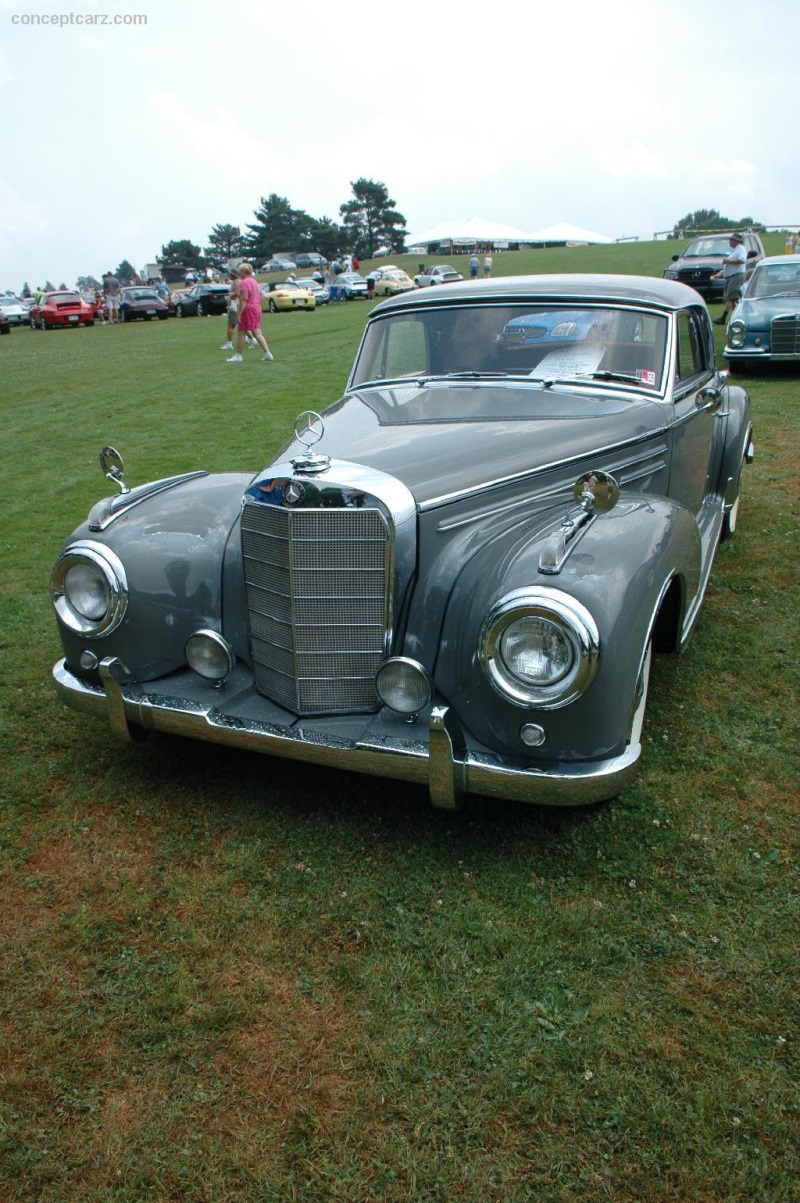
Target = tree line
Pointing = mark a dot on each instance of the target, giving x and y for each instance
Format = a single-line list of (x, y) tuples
[(370, 219)]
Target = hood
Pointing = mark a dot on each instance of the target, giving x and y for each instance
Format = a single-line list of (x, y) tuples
[(764, 309), (437, 459)]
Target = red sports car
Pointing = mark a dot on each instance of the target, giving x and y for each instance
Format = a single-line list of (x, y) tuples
[(61, 309)]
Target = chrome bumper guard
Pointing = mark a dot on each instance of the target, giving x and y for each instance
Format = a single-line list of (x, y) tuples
[(441, 760)]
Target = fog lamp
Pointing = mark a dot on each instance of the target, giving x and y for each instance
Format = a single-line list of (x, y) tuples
[(211, 656), (403, 685)]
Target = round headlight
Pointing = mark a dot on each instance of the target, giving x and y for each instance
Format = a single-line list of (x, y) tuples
[(736, 333), (540, 648), (211, 656), (87, 590), (90, 589), (403, 685), (536, 651)]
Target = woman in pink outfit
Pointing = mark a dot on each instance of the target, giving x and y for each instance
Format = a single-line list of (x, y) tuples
[(249, 314)]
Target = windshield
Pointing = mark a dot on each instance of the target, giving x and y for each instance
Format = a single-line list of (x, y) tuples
[(780, 279), (701, 247), (541, 343)]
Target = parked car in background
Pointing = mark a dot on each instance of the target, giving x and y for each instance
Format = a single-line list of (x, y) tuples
[(458, 574), (202, 299), (279, 296), (13, 310), (352, 286), (142, 302), (391, 281), (60, 308), (442, 274), (765, 324), (310, 259), (319, 291), (278, 265), (702, 259)]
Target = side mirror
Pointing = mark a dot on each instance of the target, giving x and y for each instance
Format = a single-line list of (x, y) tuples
[(113, 467), (596, 491)]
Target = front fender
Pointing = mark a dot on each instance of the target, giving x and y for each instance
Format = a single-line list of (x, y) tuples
[(171, 547), (619, 569), (738, 436)]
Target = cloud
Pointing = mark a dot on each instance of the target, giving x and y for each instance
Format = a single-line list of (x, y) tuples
[(635, 159), (220, 141)]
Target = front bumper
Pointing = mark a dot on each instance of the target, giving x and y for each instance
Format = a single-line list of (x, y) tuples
[(382, 745)]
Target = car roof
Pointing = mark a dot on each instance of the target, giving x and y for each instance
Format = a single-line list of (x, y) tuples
[(779, 260), (638, 290)]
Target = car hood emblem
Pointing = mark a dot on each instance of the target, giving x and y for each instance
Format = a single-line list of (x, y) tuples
[(294, 493), (309, 429)]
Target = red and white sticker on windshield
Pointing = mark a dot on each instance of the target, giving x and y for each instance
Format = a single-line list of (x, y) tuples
[(646, 376)]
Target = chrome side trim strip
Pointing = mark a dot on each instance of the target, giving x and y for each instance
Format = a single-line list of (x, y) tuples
[(539, 470)]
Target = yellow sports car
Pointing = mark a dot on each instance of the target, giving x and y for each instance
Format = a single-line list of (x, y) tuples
[(279, 296), (392, 280)]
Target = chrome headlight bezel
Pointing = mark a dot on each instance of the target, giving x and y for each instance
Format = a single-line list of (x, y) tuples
[(570, 620), (737, 333), (110, 575)]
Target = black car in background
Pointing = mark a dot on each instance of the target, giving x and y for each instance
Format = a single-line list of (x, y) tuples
[(202, 300), (142, 302), (702, 259)]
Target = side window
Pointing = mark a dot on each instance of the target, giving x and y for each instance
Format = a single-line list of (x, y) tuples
[(690, 350)]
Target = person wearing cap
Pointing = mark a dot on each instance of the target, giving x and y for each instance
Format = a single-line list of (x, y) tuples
[(733, 273)]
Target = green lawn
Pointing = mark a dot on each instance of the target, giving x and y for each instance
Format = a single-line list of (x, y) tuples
[(228, 978)]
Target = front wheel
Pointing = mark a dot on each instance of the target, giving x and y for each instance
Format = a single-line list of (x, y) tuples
[(200, 310), (179, 311), (32, 323), (273, 308), (42, 323)]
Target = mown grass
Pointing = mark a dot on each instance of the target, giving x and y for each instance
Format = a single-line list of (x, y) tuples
[(232, 978)]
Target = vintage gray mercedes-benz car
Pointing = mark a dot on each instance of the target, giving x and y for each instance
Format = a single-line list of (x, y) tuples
[(458, 574)]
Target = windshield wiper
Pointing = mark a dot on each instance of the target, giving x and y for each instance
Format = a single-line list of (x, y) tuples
[(549, 381), (470, 376), (606, 375)]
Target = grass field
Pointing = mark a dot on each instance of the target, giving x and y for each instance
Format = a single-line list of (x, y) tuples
[(228, 978)]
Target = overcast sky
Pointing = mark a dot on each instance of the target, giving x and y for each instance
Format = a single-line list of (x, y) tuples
[(175, 115)]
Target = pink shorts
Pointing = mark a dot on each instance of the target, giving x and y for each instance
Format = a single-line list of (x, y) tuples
[(250, 318)]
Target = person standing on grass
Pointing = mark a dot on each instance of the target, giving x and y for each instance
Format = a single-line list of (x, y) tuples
[(233, 312), (111, 289), (734, 268), (249, 314)]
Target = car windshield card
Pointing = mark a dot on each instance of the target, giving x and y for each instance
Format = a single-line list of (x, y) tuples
[(571, 361)]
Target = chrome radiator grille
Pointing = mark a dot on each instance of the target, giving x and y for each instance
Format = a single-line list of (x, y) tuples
[(317, 585), (785, 339)]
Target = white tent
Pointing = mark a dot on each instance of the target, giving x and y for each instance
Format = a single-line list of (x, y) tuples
[(469, 229), (562, 232), (477, 229)]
